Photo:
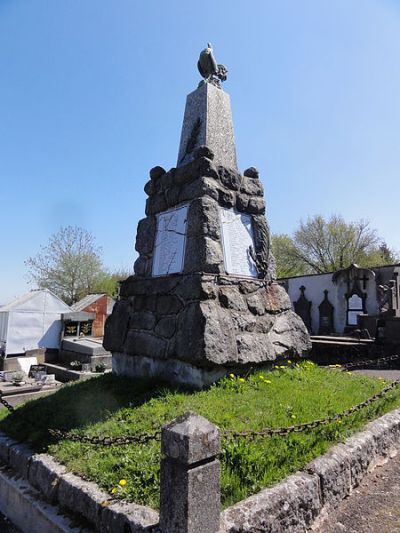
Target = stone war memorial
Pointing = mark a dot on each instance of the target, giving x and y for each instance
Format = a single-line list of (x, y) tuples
[(203, 299)]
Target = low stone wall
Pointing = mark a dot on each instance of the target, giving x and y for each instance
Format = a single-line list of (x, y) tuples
[(190, 444)]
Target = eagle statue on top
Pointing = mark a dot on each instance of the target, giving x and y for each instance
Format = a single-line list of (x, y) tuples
[(209, 69)]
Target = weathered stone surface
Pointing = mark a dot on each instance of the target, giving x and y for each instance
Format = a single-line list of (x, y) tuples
[(276, 298), (116, 326), (45, 474), (230, 178), (251, 187), (81, 497), (256, 206), (145, 302), (172, 196), (203, 151), (145, 344), (244, 322), (203, 219), (142, 266), (203, 255), (5, 444), (145, 235), (144, 320), (256, 304), (166, 327), (156, 173), (231, 298), (226, 198), (20, 459), (198, 188), (208, 122), (149, 188), (168, 304), (242, 202), (156, 203), (333, 471), (189, 439), (289, 335), (121, 517), (254, 348), (219, 335), (200, 167), (290, 506), (189, 491), (251, 172)]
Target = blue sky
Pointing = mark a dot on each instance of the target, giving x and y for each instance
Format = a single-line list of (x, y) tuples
[(92, 96)]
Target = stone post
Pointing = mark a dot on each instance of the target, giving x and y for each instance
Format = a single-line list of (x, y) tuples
[(189, 478)]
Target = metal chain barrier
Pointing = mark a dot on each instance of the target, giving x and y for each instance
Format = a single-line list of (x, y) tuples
[(143, 438), (6, 404), (370, 362), (268, 432)]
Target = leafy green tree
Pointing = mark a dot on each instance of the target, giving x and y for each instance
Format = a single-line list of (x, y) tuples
[(108, 282), (324, 245), (69, 265)]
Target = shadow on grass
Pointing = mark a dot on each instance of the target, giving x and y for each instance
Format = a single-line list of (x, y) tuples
[(78, 405)]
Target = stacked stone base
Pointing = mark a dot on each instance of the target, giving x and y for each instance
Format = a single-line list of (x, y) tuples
[(194, 328)]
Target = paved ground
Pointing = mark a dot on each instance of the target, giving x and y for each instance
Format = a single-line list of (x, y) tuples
[(374, 507), (389, 375)]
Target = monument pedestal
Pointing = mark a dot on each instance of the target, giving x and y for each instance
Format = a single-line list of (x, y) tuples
[(203, 300)]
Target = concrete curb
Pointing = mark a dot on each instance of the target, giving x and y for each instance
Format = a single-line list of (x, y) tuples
[(49, 483), (296, 504), (301, 500)]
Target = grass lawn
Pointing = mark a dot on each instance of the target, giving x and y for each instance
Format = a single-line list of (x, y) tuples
[(116, 406)]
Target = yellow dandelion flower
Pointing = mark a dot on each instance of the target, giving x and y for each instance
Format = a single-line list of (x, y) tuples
[(242, 380), (289, 362), (232, 376), (348, 373), (339, 421), (293, 416), (261, 376), (282, 366), (113, 490), (267, 381), (122, 482)]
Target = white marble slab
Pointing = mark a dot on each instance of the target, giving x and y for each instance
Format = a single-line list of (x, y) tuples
[(169, 248), (237, 236)]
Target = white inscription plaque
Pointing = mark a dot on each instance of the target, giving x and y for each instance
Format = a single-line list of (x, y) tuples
[(169, 247), (237, 237)]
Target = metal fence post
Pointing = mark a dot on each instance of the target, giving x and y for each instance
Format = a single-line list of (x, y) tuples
[(189, 477)]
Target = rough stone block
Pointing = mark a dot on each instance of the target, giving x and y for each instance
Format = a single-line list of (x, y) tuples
[(201, 187), (254, 348), (166, 327), (142, 266), (256, 206), (203, 219), (251, 172), (155, 204), (123, 517), (145, 344), (230, 298), (203, 255), (290, 506), (20, 459), (5, 444), (361, 450), (251, 187), (45, 474), (256, 304), (142, 320), (116, 326), (189, 439), (189, 498), (333, 470), (82, 497), (230, 178), (156, 172), (145, 235)]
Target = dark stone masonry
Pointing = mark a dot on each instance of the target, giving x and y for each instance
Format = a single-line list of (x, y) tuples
[(197, 323)]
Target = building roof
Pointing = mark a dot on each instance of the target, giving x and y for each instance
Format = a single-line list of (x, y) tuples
[(333, 272), (87, 300), (19, 303)]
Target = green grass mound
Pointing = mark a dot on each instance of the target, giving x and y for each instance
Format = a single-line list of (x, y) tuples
[(115, 406)]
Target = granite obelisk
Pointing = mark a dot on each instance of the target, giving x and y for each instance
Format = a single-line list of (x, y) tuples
[(203, 299)]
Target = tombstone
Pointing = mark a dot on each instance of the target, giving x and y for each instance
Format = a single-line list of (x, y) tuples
[(326, 310), (303, 308), (203, 299)]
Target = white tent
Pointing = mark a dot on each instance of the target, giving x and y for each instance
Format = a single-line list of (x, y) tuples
[(32, 321)]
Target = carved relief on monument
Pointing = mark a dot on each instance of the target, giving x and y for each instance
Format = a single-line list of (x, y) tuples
[(238, 241), (169, 247)]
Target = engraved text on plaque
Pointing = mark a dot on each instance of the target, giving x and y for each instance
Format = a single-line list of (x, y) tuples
[(169, 248)]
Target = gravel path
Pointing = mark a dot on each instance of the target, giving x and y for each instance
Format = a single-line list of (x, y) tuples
[(374, 507)]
